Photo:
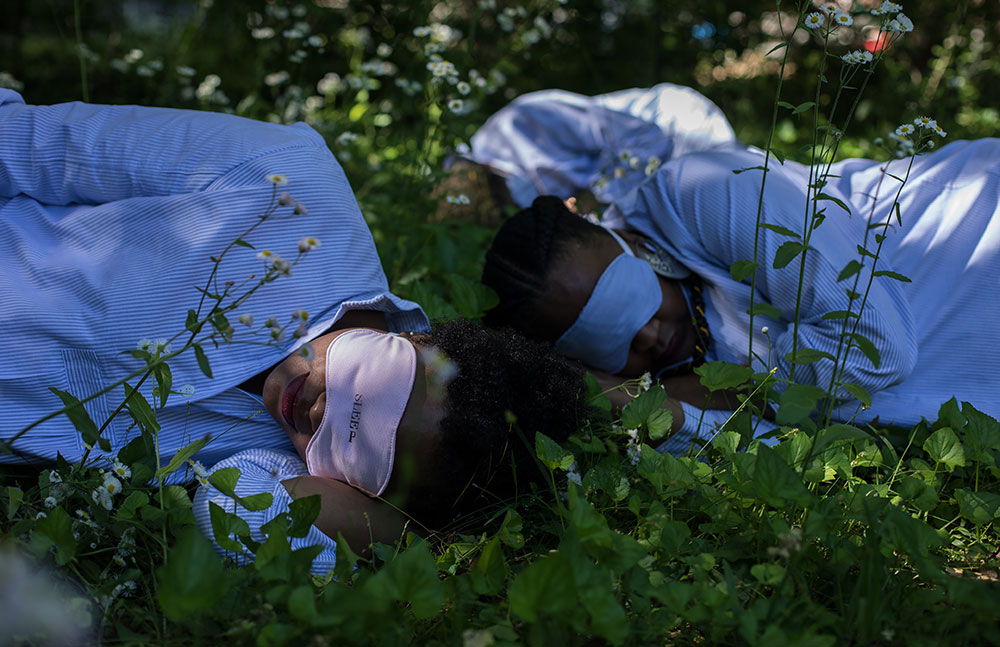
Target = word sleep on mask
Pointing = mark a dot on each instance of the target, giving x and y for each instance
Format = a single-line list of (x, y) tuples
[(369, 378), (626, 296)]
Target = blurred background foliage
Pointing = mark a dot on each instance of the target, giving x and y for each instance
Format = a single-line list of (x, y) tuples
[(357, 71)]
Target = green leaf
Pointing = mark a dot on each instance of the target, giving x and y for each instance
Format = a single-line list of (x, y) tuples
[(304, 512), (774, 481), (243, 243), (224, 480), (784, 231), (14, 498), (893, 275), (641, 409), (807, 356), (742, 270), (132, 502), (766, 309), (225, 525), (191, 322), (944, 447), (139, 409), (510, 529), (57, 528), (783, 104), (788, 251), (164, 380), (411, 577), (836, 315), (836, 201), (797, 402), (545, 587), (982, 434), (980, 507), (551, 453), (717, 376), (490, 570), (838, 433), (726, 442), (768, 574), (79, 417), (203, 364), (866, 346), (257, 502), (802, 107), (858, 392), (181, 457), (192, 579), (865, 252), (302, 604)]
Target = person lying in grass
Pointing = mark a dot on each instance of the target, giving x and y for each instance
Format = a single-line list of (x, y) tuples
[(653, 289), (114, 224), (592, 149), (403, 432)]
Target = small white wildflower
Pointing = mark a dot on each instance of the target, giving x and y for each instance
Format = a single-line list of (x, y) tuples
[(455, 105), (162, 345), (645, 382), (461, 198), (652, 164), (185, 71), (308, 243), (633, 435), (125, 589), (940, 131), (440, 366), (345, 138), (764, 330), (574, 477), (814, 20), (246, 319), (187, 390), (624, 155), (925, 122), (144, 71), (145, 344), (276, 78), (422, 31), (619, 172), (463, 88), (133, 56), (829, 7), (103, 497), (633, 453), (121, 470), (272, 322), (890, 7), (111, 484), (50, 502), (843, 19), (300, 330), (904, 22), (634, 161), (905, 130), (877, 141), (930, 143), (300, 209), (40, 516), (119, 561), (282, 266), (262, 33), (300, 315), (278, 179), (265, 255), (306, 351), (198, 468), (851, 58), (316, 40), (54, 477)]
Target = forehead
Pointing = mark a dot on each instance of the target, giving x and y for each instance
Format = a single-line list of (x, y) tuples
[(571, 280)]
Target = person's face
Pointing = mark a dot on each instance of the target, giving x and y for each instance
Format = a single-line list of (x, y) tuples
[(294, 394), (668, 337)]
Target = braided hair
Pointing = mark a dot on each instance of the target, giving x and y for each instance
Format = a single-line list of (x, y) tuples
[(523, 252), (507, 389)]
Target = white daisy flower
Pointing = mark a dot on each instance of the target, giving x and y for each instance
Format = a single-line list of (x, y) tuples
[(278, 179), (764, 330), (890, 7), (121, 470), (843, 19), (246, 319), (54, 477), (300, 209), (265, 255), (645, 382), (308, 243), (306, 351), (905, 130), (925, 122), (198, 468), (282, 266), (144, 344), (829, 7), (455, 105), (187, 390), (422, 31), (111, 484), (286, 199), (930, 143), (814, 20), (940, 131), (119, 561), (463, 88), (50, 502)]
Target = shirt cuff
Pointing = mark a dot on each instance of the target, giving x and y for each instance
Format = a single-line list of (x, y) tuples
[(261, 470)]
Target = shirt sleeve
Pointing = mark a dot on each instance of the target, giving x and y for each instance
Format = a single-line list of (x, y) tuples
[(261, 470), (701, 427), (706, 215), (77, 153)]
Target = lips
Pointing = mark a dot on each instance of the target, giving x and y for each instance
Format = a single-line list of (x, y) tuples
[(290, 400)]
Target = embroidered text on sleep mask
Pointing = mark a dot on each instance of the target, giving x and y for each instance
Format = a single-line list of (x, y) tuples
[(369, 378)]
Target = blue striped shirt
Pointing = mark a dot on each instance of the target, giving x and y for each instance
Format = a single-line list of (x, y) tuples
[(108, 218), (554, 142), (934, 335)]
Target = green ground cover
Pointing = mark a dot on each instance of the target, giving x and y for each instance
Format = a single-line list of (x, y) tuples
[(836, 535)]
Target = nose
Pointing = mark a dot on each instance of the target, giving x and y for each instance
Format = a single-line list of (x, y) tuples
[(647, 336)]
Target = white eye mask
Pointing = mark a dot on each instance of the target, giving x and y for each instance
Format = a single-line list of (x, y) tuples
[(369, 378)]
